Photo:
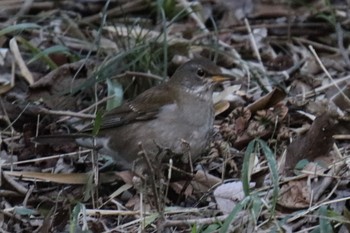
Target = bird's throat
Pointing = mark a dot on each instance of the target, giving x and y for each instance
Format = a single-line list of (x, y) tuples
[(200, 92)]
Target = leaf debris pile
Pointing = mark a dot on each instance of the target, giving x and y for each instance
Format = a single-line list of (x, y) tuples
[(278, 158)]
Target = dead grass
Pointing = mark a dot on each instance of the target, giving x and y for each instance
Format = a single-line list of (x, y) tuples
[(278, 160)]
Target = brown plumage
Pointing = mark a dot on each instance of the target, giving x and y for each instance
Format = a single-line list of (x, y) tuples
[(180, 109)]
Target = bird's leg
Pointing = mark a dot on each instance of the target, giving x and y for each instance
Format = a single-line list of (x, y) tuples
[(186, 150), (152, 176), (163, 153)]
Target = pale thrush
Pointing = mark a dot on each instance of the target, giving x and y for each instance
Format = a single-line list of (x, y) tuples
[(180, 110)]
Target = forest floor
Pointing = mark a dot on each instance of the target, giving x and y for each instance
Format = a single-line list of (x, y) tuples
[(277, 161)]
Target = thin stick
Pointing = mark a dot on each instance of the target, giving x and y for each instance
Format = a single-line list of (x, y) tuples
[(46, 158), (264, 82), (327, 73), (66, 113)]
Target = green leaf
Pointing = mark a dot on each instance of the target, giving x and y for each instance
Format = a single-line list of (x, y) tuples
[(248, 163), (300, 166), (115, 89), (36, 50), (325, 224), (24, 211), (78, 215), (211, 228), (232, 215), (48, 51), (151, 218), (271, 162), (89, 187), (75, 217), (19, 27), (194, 229), (113, 66), (257, 205), (97, 123)]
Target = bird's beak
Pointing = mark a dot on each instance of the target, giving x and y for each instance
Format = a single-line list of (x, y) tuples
[(221, 78)]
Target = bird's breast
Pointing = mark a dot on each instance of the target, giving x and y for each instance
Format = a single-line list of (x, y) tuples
[(192, 123)]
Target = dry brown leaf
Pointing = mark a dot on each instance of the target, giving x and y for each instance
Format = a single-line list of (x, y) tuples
[(134, 204), (316, 142), (50, 89), (267, 101), (342, 98), (295, 195), (20, 62), (178, 188), (203, 181), (72, 178), (126, 176), (221, 107)]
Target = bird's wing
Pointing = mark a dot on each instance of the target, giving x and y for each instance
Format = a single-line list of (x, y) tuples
[(144, 107)]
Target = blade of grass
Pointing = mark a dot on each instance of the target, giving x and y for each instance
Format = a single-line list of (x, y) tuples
[(112, 67), (165, 44), (36, 50), (271, 161), (48, 51), (325, 224), (232, 215), (19, 27), (248, 163), (97, 123), (75, 217), (256, 208)]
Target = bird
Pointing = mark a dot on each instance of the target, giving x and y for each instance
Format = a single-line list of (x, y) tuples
[(164, 116)]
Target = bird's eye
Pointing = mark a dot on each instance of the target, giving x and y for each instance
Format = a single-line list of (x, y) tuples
[(200, 72)]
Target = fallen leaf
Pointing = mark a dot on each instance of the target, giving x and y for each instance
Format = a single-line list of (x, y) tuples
[(20, 62), (71, 178), (51, 89), (228, 195), (267, 101), (316, 142), (295, 195)]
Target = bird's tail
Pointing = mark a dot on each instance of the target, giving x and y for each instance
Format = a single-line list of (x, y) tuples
[(59, 139)]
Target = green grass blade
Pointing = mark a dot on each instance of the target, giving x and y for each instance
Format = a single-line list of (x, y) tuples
[(76, 217), (19, 27), (211, 228), (271, 162), (97, 123), (232, 215), (256, 207), (48, 51), (325, 224), (36, 50), (113, 66), (248, 162)]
